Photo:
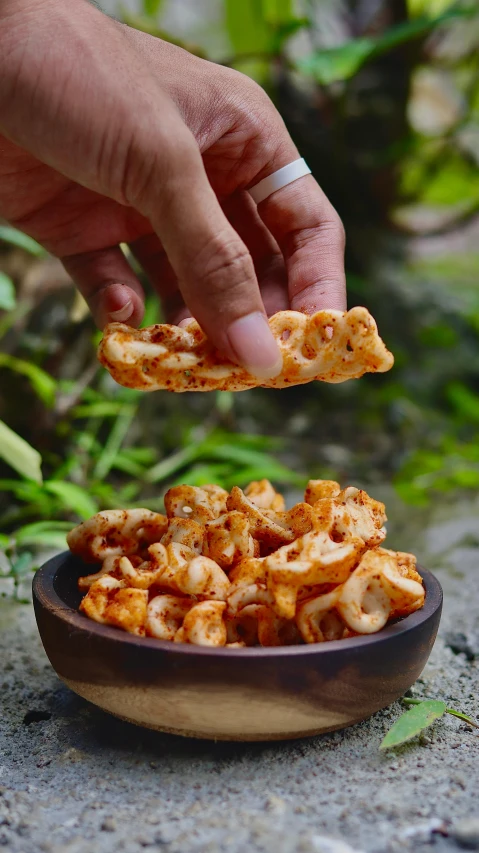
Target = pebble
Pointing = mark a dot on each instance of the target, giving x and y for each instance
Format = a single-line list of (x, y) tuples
[(459, 643), (466, 833), (323, 844), (423, 832), (108, 824), (275, 804)]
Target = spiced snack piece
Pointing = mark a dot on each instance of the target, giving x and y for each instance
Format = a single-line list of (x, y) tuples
[(238, 569), (330, 346)]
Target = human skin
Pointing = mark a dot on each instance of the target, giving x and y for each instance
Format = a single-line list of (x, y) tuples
[(109, 136)]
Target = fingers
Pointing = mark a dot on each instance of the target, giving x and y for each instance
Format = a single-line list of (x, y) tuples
[(311, 237), (152, 258), (109, 286), (214, 269), (265, 252)]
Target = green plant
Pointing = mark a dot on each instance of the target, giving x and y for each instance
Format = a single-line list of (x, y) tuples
[(335, 64), (451, 465), (17, 453), (103, 446), (422, 714)]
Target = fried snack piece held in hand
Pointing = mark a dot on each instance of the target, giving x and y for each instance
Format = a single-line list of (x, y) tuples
[(331, 346)]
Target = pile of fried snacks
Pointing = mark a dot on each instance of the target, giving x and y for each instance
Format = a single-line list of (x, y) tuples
[(237, 569), (331, 346)]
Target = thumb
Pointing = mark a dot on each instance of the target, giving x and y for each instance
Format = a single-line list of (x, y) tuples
[(214, 269)]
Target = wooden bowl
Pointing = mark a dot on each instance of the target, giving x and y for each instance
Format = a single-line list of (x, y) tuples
[(254, 694)]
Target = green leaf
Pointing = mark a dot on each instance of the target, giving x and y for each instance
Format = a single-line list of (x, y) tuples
[(18, 238), (42, 383), (17, 453), (247, 28), (49, 539), (153, 312), (242, 476), (172, 464), (338, 63), (278, 12), (341, 63), (439, 335), (152, 7), (224, 402), (8, 299), (455, 183), (22, 564), (237, 450), (128, 466), (428, 7), (25, 490), (413, 722), (104, 409), (408, 701), (50, 533), (199, 475), (465, 402), (5, 541), (114, 442), (134, 461), (142, 455), (259, 27), (73, 497)]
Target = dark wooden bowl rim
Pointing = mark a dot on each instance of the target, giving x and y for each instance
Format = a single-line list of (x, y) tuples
[(47, 597)]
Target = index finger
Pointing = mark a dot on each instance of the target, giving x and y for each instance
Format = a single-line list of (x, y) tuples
[(311, 237)]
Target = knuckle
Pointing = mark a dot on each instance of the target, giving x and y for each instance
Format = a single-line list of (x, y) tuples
[(256, 126), (244, 88), (224, 263), (152, 161), (323, 234), (254, 109)]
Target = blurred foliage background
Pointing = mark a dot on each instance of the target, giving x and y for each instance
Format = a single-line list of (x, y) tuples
[(382, 99)]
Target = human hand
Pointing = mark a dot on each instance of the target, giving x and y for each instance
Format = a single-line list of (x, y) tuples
[(110, 136)]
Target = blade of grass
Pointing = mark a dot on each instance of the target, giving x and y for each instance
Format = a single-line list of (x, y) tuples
[(114, 442), (23, 241), (8, 299), (42, 383), (462, 717), (172, 464), (20, 455), (242, 476), (198, 475), (72, 497), (255, 459), (103, 409), (9, 320)]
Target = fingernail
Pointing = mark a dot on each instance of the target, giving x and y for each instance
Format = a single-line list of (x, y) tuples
[(251, 340), (123, 313)]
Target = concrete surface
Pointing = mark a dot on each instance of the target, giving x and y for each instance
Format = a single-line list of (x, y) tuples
[(74, 779)]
